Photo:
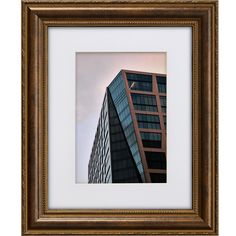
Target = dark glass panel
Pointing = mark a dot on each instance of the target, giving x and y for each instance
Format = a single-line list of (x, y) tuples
[(152, 143), (139, 82), (144, 102), (161, 83), (156, 160), (148, 121), (151, 136), (150, 139), (145, 108), (120, 102), (164, 118), (139, 77), (123, 165), (141, 86), (163, 103), (147, 125), (158, 177)]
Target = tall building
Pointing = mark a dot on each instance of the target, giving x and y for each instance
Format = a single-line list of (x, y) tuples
[(130, 141)]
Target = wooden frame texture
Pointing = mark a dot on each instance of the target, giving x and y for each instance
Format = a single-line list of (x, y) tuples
[(37, 16)]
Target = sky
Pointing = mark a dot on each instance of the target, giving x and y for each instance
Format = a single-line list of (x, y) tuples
[(94, 72)]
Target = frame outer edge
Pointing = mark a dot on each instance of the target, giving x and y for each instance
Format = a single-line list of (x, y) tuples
[(26, 127)]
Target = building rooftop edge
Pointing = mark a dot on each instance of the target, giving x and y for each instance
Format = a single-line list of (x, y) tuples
[(142, 72)]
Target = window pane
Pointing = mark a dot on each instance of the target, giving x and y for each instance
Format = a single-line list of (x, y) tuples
[(139, 77), (163, 103), (164, 118), (156, 160), (139, 82), (150, 139), (144, 102), (161, 83), (142, 86), (148, 121), (158, 178)]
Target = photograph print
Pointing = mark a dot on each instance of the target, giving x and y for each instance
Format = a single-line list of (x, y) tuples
[(121, 117)]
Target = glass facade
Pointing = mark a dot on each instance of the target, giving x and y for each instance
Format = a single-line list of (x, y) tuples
[(99, 167), (163, 103), (120, 99), (140, 82), (158, 177), (129, 144), (148, 121), (164, 119), (150, 139), (156, 160), (144, 102), (124, 169), (161, 84)]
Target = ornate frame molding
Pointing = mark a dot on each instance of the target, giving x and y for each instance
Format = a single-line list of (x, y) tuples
[(37, 16)]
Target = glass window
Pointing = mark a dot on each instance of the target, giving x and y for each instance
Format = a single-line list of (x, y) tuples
[(164, 118), (156, 160), (142, 86), (139, 77), (158, 177), (148, 121), (150, 139), (139, 82), (143, 102), (163, 103), (161, 83), (150, 136), (122, 136)]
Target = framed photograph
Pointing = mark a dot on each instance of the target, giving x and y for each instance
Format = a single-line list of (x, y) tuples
[(119, 117)]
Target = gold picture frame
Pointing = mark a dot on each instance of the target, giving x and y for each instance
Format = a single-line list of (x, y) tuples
[(202, 17)]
